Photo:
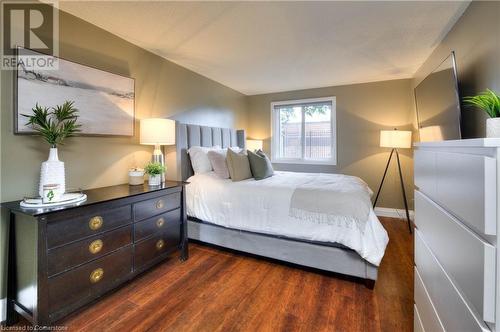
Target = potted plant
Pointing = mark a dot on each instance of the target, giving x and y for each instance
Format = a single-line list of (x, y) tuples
[(54, 125), (489, 102), (154, 171)]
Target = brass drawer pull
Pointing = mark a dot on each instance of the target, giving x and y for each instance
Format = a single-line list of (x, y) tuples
[(160, 222), (96, 275), (159, 204), (95, 246), (160, 244), (95, 223)]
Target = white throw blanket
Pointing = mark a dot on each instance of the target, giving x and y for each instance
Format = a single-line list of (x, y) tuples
[(340, 200)]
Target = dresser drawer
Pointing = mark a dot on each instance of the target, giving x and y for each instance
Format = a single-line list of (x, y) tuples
[(428, 316), (156, 206), (465, 184), (468, 260), (424, 170), (63, 231), (148, 250), (72, 289), (156, 224), (65, 257), (453, 312)]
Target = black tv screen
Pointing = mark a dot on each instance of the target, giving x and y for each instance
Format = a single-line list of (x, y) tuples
[(438, 103)]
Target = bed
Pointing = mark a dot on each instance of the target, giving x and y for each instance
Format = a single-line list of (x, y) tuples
[(256, 216)]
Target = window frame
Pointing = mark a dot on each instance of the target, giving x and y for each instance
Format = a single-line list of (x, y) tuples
[(275, 129)]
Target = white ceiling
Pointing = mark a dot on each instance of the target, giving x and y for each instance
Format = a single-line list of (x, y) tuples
[(261, 47)]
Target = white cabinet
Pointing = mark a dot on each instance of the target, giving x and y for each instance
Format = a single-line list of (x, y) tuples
[(456, 258)]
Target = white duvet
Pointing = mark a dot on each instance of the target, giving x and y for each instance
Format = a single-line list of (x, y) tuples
[(263, 206)]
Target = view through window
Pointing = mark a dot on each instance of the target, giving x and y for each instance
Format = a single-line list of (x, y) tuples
[(304, 131)]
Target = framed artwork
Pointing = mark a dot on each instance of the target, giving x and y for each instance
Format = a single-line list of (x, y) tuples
[(105, 101)]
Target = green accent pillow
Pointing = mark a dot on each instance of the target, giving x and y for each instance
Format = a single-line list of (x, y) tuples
[(238, 165), (260, 165)]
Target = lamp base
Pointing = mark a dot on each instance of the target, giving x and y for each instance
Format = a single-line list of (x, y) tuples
[(402, 185), (159, 158)]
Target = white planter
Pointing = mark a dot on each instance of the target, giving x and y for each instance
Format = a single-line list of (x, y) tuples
[(52, 172), (154, 180), (493, 128)]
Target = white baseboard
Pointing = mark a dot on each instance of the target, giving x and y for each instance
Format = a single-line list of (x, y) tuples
[(3, 309), (392, 213)]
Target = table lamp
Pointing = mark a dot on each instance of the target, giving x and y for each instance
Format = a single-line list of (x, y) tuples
[(157, 131), (254, 144), (395, 139)]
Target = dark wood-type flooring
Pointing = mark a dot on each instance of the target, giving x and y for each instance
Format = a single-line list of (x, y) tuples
[(219, 290)]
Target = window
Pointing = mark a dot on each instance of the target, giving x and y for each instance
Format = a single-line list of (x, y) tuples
[(304, 132)]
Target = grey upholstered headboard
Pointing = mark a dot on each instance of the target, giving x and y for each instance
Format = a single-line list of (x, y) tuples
[(188, 135)]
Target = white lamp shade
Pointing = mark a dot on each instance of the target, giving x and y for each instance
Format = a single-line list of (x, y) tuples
[(157, 131), (395, 139), (254, 144)]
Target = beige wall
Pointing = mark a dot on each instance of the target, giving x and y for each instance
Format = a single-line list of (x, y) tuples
[(163, 89), (362, 111), (166, 90), (475, 38)]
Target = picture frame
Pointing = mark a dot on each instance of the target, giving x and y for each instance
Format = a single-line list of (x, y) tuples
[(105, 100)]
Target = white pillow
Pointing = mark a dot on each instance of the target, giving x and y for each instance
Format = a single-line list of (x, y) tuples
[(199, 158), (236, 149)]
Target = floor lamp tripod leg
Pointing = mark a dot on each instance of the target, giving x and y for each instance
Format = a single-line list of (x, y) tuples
[(404, 193), (383, 178)]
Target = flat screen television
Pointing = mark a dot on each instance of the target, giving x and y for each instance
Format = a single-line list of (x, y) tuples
[(438, 103)]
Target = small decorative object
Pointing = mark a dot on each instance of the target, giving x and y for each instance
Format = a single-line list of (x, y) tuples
[(489, 102), (254, 144), (156, 131), (136, 176), (154, 171), (54, 125), (66, 199), (51, 193), (395, 139)]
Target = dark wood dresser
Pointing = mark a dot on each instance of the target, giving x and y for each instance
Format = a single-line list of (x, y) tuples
[(63, 258)]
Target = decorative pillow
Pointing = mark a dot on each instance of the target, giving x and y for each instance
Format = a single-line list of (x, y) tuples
[(199, 158), (218, 161), (238, 165), (233, 148), (236, 149), (260, 165)]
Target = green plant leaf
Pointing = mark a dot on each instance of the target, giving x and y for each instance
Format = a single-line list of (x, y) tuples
[(54, 124), (488, 101), (154, 168)]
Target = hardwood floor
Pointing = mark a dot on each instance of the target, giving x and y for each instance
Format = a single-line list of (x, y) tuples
[(218, 290)]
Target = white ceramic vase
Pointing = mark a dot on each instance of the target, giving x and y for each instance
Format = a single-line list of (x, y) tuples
[(52, 172), (154, 180), (493, 127)]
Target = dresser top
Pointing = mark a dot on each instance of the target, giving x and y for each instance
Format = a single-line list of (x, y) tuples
[(94, 196), (463, 143)]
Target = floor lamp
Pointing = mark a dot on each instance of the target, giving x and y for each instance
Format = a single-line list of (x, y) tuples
[(395, 139)]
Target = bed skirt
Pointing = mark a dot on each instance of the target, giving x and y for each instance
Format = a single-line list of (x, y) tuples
[(323, 256)]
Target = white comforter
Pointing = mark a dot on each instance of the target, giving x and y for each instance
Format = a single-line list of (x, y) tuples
[(263, 206)]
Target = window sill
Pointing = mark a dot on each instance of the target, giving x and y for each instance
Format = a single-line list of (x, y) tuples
[(304, 162)]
